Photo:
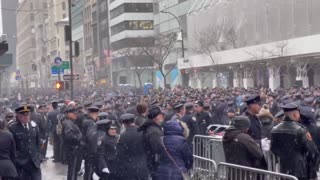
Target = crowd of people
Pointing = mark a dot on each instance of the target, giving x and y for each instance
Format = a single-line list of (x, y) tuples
[(124, 135)]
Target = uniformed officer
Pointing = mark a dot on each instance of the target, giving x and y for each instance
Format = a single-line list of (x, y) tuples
[(202, 119), (27, 138), (254, 107), (180, 111), (292, 143), (187, 118), (88, 128), (72, 136), (53, 120), (130, 152)]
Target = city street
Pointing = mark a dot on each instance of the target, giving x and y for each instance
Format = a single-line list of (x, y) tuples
[(54, 171)]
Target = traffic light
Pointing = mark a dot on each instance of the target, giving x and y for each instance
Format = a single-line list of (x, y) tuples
[(59, 85), (76, 49)]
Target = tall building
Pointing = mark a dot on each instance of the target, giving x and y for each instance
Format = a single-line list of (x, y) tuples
[(261, 43), (130, 21), (170, 16), (104, 49), (8, 34), (78, 35), (26, 43)]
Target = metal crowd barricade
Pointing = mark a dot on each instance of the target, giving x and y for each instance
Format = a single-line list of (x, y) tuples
[(208, 147), (235, 172), (203, 169)]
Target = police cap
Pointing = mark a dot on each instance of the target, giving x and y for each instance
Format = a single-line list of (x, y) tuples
[(253, 99), (23, 109), (290, 107), (188, 105), (279, 114), (154, 111), (127, 117), (93, 109), (199, 103)]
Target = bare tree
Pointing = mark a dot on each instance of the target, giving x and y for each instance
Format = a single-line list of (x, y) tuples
[(164, 46), (136, 57)]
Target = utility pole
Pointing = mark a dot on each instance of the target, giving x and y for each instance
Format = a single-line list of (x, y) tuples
[(70, 46)]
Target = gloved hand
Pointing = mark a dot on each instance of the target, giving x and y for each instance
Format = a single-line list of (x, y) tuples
[(106, 170)]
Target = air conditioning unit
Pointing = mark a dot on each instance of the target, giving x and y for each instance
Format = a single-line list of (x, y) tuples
[(3, 38)]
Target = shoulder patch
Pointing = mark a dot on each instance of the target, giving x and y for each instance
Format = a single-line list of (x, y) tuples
[(194, 118), (33, 124), (309, 137)]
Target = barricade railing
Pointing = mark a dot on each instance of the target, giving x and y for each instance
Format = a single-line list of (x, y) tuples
[(208, 147), (235, 172), (203, 168)]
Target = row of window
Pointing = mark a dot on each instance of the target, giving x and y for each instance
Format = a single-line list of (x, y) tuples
[(132, 25), (131, 8)]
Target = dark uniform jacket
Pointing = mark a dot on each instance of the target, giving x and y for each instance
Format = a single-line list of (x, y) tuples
[(53, 120), (152, 144), (27, 143), (241, 149), (7, 155), (131, 155), (71, 134), (192, 125), (88, 128), (255, 127), (291, 142), (203, 120)]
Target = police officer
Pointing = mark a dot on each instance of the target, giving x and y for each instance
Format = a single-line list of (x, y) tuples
[(131, 155), (292, 143), (88, 128), (180, 111), (107, 154), (202, 118), (27, 138), (71, 136), (254, 106), (187, 118)]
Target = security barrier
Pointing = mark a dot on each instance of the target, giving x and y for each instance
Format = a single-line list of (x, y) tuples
[(208, 147), (203, 169), (235, 172)]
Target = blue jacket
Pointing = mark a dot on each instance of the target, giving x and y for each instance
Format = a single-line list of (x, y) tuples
[(178, 148)]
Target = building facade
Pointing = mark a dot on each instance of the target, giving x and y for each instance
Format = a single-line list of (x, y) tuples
[(259, 43), (26, 43), (165, 14), (8, 34), (130, 21)]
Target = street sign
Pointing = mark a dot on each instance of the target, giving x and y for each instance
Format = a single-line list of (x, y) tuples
[(57, 61), (65, 65), (68, 77), (55, 70)]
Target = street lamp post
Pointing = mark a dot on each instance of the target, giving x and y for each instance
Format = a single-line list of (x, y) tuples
[(70, 46), (181, 30)]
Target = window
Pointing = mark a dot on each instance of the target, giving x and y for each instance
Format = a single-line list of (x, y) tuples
[(131, 8), (132, 25), (63, 5)]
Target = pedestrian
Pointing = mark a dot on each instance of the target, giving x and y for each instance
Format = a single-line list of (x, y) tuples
[(142, 112), (44, 128), (71, 136), (152, 133), (266, 120), (180, 111), (7, 154), (27, 138), (202, 119), (131, 157), (292, 143), (53, 120), (239, 147), (176, 158), (187, 118)]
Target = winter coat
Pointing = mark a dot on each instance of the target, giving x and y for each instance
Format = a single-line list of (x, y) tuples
[(139, 120), (255, 127), (292, 143), (239, 148), (266, 126), (176, 146), (131, 156), (7, 155), (151, 138)]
